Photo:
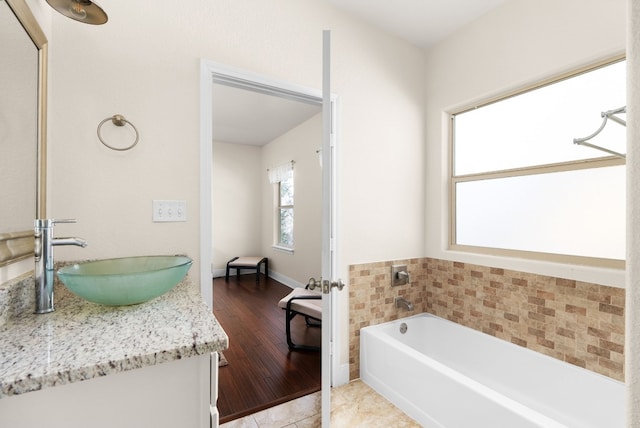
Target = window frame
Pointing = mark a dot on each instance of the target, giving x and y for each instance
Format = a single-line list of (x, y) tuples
[(598, 162)]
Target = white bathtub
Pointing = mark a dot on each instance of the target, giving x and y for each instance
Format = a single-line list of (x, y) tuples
[(443, 374)]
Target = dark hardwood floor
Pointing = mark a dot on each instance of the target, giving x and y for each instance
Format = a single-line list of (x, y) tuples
[(262, 372)]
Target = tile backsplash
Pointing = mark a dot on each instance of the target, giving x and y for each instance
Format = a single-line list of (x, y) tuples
[(577, 322)]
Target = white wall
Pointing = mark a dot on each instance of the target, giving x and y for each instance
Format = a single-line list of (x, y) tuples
[(144, 64), (237, 202), (243, 202), (515, 45), (300, 145)]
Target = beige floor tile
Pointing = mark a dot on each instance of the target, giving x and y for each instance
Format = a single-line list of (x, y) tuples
[(357, 405), (290, 412), (352, 405), (314, 421), (246, 422)]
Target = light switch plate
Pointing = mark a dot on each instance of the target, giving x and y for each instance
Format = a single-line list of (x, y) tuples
[(169, 210)]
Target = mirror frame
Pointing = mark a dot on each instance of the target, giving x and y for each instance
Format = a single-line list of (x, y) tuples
[(19, 245)]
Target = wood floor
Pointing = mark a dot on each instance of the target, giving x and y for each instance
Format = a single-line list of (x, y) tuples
[(262, 372)]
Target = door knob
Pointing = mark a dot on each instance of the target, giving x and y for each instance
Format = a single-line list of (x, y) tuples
[(325, 285), (312, 284), (328, 285)]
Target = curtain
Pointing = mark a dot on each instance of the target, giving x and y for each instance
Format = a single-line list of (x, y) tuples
[(280, 173)]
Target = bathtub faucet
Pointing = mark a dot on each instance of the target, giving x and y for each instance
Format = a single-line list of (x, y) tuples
[(403, 275), (44, 243), (403, 303)]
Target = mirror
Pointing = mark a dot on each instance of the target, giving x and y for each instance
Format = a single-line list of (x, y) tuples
[(23, 49)]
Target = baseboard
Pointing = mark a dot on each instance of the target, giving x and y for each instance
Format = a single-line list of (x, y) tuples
[(341, 377), (289, 282), (219, 273)]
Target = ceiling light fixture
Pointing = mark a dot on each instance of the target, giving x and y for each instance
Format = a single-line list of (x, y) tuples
[(80, 10)]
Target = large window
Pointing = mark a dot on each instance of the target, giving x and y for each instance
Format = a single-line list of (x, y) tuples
[(521, 186)]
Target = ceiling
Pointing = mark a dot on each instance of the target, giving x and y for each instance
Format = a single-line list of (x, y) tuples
[(245, 117), (242, 116), (421, 22)]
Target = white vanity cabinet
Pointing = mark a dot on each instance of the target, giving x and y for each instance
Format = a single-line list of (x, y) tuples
[(213, 387), (172, 394), (86, 365)]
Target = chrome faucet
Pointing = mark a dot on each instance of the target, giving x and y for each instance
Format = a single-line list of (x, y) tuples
[(44, 243), (401, 302)]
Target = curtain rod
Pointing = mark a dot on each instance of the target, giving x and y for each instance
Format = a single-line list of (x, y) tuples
[(292, 162)]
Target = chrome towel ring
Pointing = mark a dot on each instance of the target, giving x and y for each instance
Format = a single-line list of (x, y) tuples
[(118, 120)]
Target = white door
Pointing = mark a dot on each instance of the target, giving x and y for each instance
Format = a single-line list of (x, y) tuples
[(327, 250)]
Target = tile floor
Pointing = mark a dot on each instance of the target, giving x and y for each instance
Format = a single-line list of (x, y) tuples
[(352, 405)]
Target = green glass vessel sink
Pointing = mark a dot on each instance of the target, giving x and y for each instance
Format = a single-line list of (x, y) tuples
[(125, 281)]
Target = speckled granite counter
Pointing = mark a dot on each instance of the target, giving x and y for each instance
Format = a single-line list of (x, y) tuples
[(83, 340)]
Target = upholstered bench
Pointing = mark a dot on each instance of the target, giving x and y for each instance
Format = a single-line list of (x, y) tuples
[(238, 263), (306, 303)]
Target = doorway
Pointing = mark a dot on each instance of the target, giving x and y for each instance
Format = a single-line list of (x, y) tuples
[(257, 133), (213, 74)]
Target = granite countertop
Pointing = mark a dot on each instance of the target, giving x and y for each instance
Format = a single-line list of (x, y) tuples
[(83, 340)]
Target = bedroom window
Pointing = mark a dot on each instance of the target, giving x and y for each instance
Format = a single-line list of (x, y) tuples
[(520, 186), (285, 212), (282, 179)]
